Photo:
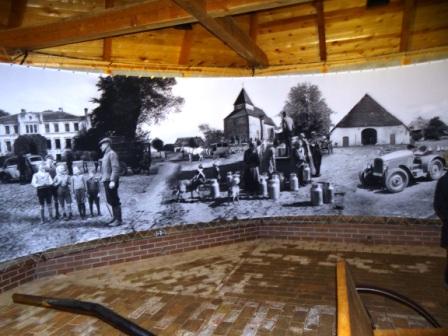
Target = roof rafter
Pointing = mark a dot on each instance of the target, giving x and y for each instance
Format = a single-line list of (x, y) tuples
[(321, 29), (122, 20), (17, 12), (407, 24), (227, 31)]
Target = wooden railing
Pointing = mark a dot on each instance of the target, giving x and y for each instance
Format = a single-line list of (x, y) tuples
[(354, 320)]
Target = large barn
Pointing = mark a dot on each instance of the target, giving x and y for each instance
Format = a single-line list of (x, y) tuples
[(247, 121), (368, 123)]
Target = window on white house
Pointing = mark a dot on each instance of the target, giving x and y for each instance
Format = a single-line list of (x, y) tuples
[(48, 144), (57, 143), (7, 129), (67, 127), (8, 146), (47, 128), (35, 128), (27, 129), (16, 129), (56, 127), (68, 143), (76, 127)]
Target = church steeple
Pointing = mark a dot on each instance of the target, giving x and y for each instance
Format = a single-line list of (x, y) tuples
[(243, 99)]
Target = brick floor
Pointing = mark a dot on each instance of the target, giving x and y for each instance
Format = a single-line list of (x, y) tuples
[(262, 287)]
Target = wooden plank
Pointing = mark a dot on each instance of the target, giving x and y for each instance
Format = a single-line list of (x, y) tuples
[(17, 12), (186, 47), (107, 42), (353, 319), (407, 24), (321, 30), (227, 31), (126, 19), (253, 27)]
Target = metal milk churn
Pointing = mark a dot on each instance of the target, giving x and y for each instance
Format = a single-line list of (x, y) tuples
[(229, 178), (306, 178), (274, 187), (263, 186), (316, 195), (214, 186), (328, 193), (293, 182)]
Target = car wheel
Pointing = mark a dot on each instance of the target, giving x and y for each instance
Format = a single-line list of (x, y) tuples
[(397, 180), (435, 169)]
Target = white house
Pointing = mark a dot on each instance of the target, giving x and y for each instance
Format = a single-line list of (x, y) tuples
[(368, 123), (247, 121), (58, 127)]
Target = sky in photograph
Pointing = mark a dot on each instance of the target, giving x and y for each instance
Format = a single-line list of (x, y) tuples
[(406, 92)]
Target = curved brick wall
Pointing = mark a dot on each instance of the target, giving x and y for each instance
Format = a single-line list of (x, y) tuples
[(175, 239)]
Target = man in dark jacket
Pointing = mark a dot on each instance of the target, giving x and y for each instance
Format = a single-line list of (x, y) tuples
[(441, 208), (110, 170), (316, 152)]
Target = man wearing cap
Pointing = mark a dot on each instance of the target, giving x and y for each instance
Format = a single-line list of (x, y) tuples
[(110, 168)]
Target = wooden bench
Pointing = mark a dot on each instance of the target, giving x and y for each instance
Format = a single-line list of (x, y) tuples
[(353, 319)]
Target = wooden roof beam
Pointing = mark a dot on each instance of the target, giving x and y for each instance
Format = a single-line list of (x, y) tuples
[(122, 20), (320, 17), (227, 31), (186, 47), (107, 42), (407, 24), (17, 12)]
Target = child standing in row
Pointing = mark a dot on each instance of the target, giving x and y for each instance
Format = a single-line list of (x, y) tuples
[(79, 189), (93, 189), (43, 182), (62, 182)]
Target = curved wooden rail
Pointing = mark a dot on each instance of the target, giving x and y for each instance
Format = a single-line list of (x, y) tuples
[(84, 308)]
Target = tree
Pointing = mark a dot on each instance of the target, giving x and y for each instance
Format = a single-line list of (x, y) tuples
[(3, 113), (435, 129), (211, 135), (308, 109), (157, 144), (32, 144), (128, 103)]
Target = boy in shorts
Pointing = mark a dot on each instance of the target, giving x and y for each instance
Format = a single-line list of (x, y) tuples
[(43, 183)]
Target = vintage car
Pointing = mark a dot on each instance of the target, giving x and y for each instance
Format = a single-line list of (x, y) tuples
[(395, 170), (11, 173)]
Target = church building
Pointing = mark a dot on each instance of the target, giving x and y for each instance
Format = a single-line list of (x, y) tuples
[(247, 121)]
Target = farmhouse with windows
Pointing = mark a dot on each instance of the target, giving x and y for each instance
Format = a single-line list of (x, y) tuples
[(368, 123), (58, 127), (247, 121)]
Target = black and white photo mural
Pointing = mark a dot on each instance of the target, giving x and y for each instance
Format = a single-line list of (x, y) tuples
[(195, 150)]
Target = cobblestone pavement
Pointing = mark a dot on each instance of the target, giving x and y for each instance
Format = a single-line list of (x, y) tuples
[(254, 288)]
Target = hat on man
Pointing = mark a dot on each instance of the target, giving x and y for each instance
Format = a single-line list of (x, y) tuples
[(108, 140)]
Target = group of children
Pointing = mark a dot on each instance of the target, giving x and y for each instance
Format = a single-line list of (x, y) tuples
[(54, 182)]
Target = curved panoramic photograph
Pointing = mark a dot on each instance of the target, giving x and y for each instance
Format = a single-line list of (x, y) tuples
[(224, 167)]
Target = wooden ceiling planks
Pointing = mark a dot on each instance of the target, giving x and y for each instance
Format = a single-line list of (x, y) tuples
[(292, 36)]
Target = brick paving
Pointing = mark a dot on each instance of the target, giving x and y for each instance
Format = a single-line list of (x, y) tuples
[(262, 287)]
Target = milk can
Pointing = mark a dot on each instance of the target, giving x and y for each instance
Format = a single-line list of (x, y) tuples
[(316, 195), (214, 186), (274, 187), (293, 182), (263, 186), (306, 178), (328, 193)]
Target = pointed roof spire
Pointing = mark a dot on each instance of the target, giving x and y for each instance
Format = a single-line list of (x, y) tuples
[(243, 98)]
